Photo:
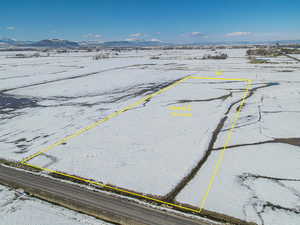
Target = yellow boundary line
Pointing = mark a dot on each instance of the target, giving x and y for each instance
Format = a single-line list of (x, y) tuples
[(139, 102), (221, 155)]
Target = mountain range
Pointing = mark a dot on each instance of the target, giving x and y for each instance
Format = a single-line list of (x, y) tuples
[(58, 43)]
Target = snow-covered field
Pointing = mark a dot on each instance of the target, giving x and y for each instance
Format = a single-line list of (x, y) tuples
[(140, 149), (16, 208), (153, 147)]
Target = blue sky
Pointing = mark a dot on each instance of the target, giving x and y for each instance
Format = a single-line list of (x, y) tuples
[(167, 20)]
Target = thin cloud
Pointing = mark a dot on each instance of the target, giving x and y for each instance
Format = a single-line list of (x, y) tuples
[(237, 34), (194, 34), (155, 40), (197, 34), (136, 35), (93, 36), (10, 28)]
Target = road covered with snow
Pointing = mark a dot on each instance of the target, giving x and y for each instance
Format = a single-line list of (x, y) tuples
[(168, 146), (19, 208)]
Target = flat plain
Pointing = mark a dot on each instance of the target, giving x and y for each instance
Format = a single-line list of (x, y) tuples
[(168, 146)]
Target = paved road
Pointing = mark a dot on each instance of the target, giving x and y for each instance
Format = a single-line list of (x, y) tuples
[(128, 211)]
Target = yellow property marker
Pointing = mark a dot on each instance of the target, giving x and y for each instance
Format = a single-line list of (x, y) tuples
[(181, 114), (183, 108), (141, 101), (219, 73)]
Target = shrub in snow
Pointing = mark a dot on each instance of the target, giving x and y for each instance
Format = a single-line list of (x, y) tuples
[(101, 56), (218, 56), (263, 52), (154, 57)]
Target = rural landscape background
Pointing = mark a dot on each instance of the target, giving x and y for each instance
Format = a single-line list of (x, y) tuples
[(150, 112)]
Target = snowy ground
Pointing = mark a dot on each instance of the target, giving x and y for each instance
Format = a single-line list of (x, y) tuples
[(122, 150), (150, 150), (16, 208)]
